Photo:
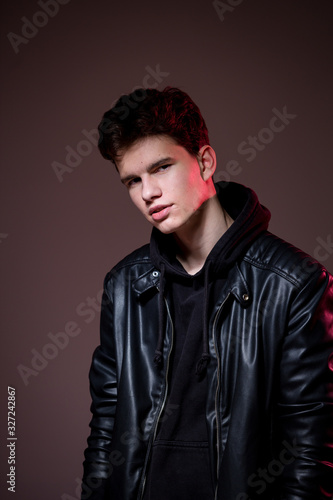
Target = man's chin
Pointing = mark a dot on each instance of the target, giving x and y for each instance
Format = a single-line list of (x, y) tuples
[(165, 228)]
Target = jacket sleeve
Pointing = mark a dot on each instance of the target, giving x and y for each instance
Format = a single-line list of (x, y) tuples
[(103, 389), (306, 393)]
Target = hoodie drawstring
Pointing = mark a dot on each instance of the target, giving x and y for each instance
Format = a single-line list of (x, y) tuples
[(205, 357)]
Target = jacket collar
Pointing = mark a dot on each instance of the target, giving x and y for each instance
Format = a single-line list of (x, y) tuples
[(236, 284), (146, 281)]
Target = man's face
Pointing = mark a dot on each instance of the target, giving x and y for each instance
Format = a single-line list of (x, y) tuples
[(164, 181)]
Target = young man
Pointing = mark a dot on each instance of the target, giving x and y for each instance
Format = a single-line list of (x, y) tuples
[(214, 375)]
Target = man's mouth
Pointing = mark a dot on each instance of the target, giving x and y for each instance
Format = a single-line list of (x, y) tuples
[(159, 212)]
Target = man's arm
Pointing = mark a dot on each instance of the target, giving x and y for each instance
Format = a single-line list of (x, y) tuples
[(306, 397), (103, 389)]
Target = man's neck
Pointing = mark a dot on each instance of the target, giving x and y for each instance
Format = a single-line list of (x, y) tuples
[(196, 239)]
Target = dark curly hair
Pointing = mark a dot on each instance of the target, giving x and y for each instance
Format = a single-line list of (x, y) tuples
[(150, 112)]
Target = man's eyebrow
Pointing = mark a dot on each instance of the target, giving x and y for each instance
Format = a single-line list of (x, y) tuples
[(150, 167)]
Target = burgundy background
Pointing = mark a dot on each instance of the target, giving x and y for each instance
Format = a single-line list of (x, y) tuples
[(62, 237)]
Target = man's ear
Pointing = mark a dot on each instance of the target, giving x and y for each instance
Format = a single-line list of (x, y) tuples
[(207, 161)]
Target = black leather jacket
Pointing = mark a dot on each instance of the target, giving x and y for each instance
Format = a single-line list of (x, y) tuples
[(270, 383)]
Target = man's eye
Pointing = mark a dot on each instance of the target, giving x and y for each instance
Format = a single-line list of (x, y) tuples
[(162, 167), (133, 181)]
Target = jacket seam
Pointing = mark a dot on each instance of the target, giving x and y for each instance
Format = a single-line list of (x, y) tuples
[(274, 269)]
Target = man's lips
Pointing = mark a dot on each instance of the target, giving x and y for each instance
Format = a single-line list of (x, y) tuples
[(159, 211)]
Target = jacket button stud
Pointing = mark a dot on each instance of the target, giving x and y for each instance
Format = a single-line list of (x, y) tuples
[(155, 274), (245, 297)]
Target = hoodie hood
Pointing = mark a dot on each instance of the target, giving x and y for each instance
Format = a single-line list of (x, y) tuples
[(250, 219)]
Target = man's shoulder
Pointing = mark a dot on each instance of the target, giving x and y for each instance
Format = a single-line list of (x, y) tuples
[(271, 253), (137, 256), (132, 265)]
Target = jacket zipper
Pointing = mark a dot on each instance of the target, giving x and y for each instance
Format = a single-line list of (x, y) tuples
[(217, 394), (153, 435)]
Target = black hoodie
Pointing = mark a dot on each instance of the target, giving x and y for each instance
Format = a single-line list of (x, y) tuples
[(179, 466)]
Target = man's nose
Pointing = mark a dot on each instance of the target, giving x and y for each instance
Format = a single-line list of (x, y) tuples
[(150, 189)]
